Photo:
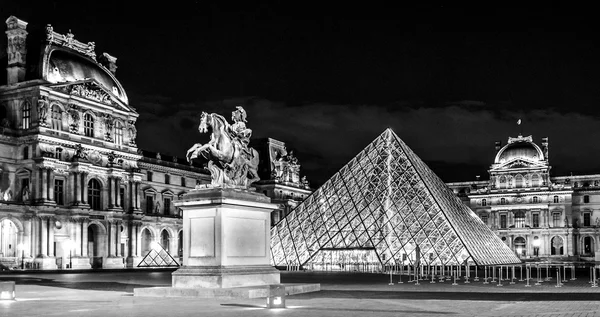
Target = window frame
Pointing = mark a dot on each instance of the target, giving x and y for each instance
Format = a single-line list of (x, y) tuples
[(88, 125), (26, 115), (59, 191), (95, 201)]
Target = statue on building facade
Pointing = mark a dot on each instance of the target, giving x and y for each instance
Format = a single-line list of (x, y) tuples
[(230, 161), (42, 112)]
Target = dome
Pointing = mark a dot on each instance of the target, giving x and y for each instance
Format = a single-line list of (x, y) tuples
[(63, 66), (520, 148)]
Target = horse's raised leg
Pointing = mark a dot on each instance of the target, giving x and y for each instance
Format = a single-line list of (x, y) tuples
[(192, 153)]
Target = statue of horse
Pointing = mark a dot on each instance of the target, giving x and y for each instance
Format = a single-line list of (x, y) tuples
[(227, 162)]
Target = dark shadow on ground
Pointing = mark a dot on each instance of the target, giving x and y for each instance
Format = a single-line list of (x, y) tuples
[(83, 285), (474, 296)]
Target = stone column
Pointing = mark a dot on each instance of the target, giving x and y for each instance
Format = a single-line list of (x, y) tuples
[(44, 183), (44, 236), (51, 184), (137, 196), (33, 236), (84, 187), (78, 238), (111, 192), (51, 223), (118, 192), (84, 237), (109, 238), (76, 186), (138, 247), (118, 250)]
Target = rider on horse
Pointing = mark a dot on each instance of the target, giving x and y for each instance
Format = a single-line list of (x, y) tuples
[(239, 131)]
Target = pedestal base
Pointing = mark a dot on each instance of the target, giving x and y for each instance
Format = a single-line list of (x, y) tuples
[(45, 262), (223, 293), (81, 263), (132, 261), (113, 263), (224, 276)]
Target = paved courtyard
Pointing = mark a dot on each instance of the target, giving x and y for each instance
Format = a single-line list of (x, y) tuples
[(110, 293)]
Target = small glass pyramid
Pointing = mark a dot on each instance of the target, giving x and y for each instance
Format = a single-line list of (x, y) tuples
[(386, 207)]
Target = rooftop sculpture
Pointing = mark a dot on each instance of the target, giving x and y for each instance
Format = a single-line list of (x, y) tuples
[(230, 161)]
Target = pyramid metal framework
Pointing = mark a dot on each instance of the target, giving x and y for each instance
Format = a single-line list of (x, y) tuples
[(388, 201), (158, 257)]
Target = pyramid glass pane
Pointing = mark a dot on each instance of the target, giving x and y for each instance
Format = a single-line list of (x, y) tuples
[(385, 207)]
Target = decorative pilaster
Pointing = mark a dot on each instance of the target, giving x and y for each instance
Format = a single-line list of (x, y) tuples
[(118, 250), (84, 237), (111, 192), (51, 226), (51, 184), (117, 181), (16, 50), (76, 189), (84, 188)]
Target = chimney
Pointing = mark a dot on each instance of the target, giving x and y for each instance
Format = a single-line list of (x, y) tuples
[(16, 50), (109, 62), (498, 145), (545, 148)]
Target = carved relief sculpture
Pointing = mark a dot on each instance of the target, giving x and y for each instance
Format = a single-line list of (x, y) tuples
[(132, 132), (230, 161), (109, 122), (74, 119), (42, 109)]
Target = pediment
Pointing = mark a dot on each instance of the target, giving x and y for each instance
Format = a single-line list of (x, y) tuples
[(92, 90), (518, 163)]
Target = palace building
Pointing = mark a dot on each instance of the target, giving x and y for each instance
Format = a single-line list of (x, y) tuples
[(75, 190), (537, 215)]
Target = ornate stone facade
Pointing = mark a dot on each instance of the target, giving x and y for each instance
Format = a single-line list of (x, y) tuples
[(537, 215), (75, 191)]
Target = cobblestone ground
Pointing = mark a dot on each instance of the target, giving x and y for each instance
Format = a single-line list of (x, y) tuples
[(343, 294)]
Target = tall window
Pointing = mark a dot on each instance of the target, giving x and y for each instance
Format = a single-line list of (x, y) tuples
[(94, 190), (56, 118), (59, 191), (586, 199), (149, 204), (587, 221), (519, 219), (118, 133), (149, 176), (167, 205), (555, 200), (88, 125), (484, 202), (26, 112), (484, 218), (183, 181), (167, 179), (122, 194), (556, 219), (535, 200), (502, 201), (503, 221), (502, 182), (535, 180), (26, 152), (519, 181), (535, 219)]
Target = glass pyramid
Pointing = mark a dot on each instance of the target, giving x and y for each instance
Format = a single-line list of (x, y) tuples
[(386, 207)]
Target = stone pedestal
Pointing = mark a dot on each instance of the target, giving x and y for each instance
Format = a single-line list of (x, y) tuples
[(132, 261), (44, 262), (226, 239), (80, 263), (114, 262)]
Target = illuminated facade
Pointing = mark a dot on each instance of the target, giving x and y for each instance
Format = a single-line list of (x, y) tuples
[(384, 208), (75, 190), (536, 215)]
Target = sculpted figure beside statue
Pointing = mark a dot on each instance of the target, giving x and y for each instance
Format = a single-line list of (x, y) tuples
[(231, 162)]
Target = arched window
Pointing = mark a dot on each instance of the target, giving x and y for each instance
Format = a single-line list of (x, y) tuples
[(536, 200), (535, 180), (164, 240), (94, 194), (556, 246), (26, 115), (56, 114), (556, 199), (520, 246), (118, 133), (588, 245), (519, 181), (88, 125), (519, 219)]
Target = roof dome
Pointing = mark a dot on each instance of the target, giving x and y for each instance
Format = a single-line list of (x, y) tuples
[(64, 66), (519, 148)]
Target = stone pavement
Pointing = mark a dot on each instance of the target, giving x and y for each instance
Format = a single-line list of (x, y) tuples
[(343, 294)]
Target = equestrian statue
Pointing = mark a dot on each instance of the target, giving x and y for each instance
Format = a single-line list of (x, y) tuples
[(230, 161)]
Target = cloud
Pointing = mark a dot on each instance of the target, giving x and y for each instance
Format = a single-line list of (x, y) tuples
[(456, 137)]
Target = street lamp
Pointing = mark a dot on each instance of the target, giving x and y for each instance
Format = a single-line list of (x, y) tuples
[(70, 244), (21, 247), (536, 246)]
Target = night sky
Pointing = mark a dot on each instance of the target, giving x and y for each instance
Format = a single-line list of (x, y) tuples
[(328, 80)]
